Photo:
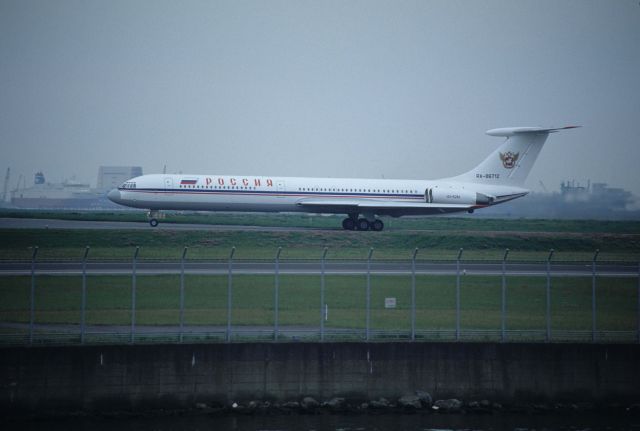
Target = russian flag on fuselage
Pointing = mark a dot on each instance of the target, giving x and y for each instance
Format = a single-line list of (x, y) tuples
[(188, 182)]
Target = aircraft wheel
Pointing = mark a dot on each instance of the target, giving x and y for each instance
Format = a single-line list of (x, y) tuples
[(377, 225), (348, 224), (153, 222), (363, 224)]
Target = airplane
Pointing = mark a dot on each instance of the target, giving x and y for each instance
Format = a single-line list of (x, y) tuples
[(499, 178)]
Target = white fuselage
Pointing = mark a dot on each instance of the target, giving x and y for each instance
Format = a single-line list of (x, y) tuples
[(285, 194)]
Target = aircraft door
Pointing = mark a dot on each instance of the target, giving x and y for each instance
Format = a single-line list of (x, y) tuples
[(280, 186), (428, 195), (168, 183)]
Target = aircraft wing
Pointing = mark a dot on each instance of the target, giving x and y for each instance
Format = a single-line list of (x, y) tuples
[(380, 207)]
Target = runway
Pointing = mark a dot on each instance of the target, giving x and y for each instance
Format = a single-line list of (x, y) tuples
[(306, 267)]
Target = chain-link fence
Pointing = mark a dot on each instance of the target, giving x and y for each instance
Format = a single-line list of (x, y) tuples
[(186, 301)]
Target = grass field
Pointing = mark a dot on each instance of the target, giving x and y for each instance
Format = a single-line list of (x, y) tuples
[(109, 297), (168, 244), (109, 301), (436, 237)]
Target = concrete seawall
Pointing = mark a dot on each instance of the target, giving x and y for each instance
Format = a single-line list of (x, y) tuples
[(178, 376)]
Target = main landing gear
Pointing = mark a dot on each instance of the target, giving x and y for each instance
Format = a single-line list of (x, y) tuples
[(354, 223)]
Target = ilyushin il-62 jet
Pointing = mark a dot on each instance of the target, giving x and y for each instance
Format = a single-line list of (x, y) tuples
[(499, 178)]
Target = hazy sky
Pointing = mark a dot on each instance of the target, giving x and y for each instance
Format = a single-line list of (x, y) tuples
[(404, 89)]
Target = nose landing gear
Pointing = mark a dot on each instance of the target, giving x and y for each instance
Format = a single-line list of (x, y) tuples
[(153, 217)]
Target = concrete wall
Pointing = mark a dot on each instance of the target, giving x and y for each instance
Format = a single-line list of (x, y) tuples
[(122, 377)]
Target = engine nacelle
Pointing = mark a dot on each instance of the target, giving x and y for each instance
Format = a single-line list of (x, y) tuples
[(456, 195)]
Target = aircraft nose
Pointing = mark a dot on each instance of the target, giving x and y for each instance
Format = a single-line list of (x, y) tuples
[(114, 196)]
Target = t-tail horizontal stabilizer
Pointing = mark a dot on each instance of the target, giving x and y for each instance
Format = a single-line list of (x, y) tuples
[(510, 164), (511, 131)]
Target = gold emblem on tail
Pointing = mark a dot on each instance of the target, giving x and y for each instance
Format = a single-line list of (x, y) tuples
[(509, 159)]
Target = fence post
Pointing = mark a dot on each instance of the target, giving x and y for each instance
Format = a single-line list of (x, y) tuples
[(83, 303), (503, 314), (413, 295), (368, 295), (32, 300), (133, 295), (458, 294), (276, 325), (594, 309), (322, 265), (229, 289), (548, 312), (184, 253)]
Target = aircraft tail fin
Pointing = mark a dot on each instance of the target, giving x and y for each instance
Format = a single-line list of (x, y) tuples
[(512, 161)]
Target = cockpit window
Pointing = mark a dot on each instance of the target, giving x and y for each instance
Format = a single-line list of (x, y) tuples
[(128, 185)]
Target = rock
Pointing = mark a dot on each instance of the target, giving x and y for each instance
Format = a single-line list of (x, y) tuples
[(410, 402), (634, 408), (586, 406), (291, 405), (381, 403), (201, 406), (541, 407), (483, 406), (309, 403), (254, 405), (364, 406), (425, 398), (452, 405), (336, 404)]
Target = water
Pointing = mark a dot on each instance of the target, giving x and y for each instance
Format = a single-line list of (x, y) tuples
[(330, 422)]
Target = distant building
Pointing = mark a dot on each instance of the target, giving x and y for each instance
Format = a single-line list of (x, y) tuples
[(575, 201), (110, 177)]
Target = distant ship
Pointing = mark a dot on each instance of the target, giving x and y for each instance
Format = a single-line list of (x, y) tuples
[(68, 194)]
